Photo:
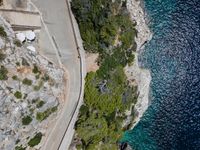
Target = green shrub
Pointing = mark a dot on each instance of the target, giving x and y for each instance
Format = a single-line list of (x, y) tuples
[(35, 70), (17, 43), (35, 100), (37, 76), (35, 140), (2, 32), (40, 116), (18, 95), (14, 77), (38, 87), (25, 96), (40, 104), (27, 82), (45, 77), (17, 141), (127, 39), (24, 62), (2, 56), (26, 120), (3, 73), (17, 63), (20, 148)]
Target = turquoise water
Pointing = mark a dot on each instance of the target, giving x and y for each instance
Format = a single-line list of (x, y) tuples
[(172, 121)]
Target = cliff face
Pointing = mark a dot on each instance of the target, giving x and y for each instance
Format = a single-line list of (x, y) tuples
[(135, 74), (31, 91)]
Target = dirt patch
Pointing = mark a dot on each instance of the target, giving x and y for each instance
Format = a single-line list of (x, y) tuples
[(91, 62)]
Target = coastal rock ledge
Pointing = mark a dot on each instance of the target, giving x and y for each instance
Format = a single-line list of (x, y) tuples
[(135, 74)]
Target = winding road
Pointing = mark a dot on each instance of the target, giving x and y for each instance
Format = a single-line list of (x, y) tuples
[(62, 28)]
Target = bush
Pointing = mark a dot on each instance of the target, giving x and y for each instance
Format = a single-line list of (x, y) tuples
[(127, 39), (26, 120), (40, 116), (17, 63), (3, 73), (37, 76), (24, 62), (35, 70), (38, 87), (2, 32), (20, 148), (35, 140), (27, 82), (45, 77), (18, 95), (14, 77), (2, 56), (17, 43), (40, 104)]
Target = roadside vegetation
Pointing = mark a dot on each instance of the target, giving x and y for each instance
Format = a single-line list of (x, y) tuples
[(40, 116), (107, 29), (26, 120), (35, 140)]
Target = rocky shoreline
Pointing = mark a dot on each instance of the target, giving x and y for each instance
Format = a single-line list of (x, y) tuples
[(136, 75)]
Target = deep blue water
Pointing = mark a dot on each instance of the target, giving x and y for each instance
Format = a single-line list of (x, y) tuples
[(172, 121)]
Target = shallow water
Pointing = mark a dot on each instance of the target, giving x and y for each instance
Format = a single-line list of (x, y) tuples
[(172, 121)]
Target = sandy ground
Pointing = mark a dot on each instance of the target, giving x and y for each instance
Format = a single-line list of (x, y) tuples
[(134, 73), (91, 63)]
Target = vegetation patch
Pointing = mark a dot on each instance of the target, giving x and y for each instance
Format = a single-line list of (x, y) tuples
[(3, 73), (2, 32), (14, 77), (17, 63), (35, 70), (37, 76), (106, 29), (39, 86), (35, 140), (20, 148), (18, 94), (27, 82), (17, 43), (40, 103), (25, 62), (45, 77), (2, 55), (40, 116), (26, 120)]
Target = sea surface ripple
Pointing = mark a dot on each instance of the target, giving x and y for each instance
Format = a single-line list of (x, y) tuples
[(172, 121)]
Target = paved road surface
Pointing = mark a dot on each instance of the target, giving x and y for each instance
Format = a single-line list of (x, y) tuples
[(57, 19)]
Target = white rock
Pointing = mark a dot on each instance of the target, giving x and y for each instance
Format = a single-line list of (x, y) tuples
[(24, 105), (31, 48), (16, 110), (21, 37), (30, 35)]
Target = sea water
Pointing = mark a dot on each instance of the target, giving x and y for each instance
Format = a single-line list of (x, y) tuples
[(172, 121)]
